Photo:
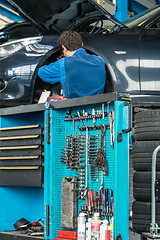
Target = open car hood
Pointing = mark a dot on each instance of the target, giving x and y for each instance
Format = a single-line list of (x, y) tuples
[(56, 16)]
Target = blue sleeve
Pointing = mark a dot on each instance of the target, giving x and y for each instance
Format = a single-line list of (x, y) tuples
[(53, 72)]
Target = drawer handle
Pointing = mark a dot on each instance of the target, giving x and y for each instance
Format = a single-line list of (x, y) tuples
[(20, 127), (19, 137), (17, 158), (19, 168), (22, 147)]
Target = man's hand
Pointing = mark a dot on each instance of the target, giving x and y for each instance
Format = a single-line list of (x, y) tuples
[(60, 56)]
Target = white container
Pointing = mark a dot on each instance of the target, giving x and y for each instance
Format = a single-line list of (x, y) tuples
[(103, 230), (95, 226), (82, 226), (88, 229)]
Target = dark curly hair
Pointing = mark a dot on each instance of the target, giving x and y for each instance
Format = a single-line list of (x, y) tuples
[(71, 40)]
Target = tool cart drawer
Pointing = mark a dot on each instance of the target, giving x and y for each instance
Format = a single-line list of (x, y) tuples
[(21, 151), (21, 176), (21, 131), (21, 161)]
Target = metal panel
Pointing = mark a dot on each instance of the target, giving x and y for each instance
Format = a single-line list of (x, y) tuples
[(117, 163)]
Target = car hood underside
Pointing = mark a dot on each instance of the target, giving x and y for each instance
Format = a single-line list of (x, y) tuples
[(56, 16)]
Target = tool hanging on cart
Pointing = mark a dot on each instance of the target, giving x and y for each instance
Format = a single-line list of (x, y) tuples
[(86, 116), (100, 160), (111, 123), (92, 153)]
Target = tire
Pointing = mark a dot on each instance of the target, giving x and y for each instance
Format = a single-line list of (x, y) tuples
[(144, 164), (147, 116), (147, 125), (147, 133), (141, 220), (142, 186), (142, 155)]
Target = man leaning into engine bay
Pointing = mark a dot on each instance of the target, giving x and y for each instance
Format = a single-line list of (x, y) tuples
[(79, 73)]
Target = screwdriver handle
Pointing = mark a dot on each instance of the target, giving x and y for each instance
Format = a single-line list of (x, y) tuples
[(101, 193), (103, 204), (95, 195), (106, 200), (89, 203), (91, 197), (110, 194), (106, 197)]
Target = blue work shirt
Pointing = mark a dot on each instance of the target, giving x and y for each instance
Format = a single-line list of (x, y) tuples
[(80, 75)]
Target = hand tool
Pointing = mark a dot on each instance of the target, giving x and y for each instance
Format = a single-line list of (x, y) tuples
[(106, 201), (111, 123), (100, 160), (92, 153), (110, 194), (103, 205), (79, 115), (95, 201), (86, 167), (102, 181), (89, 201), (101, 193)]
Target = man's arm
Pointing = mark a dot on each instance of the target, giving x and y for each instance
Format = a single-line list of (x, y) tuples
[(52, 73)]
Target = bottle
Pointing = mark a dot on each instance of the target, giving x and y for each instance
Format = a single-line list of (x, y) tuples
[(103, 230), (95, 226), (88, 229), (111, 227), (82, 226)]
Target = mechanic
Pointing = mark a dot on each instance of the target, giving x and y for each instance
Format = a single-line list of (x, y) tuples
[(79, 73)]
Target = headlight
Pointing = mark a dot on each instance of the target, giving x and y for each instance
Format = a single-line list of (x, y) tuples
[(9, 48)]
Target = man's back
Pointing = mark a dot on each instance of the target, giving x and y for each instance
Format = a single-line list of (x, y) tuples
[(85, 75)]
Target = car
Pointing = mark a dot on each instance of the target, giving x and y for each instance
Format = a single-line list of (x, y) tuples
[(131, 50)]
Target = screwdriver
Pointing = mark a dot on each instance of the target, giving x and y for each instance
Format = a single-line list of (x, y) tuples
[(103, 205), (110, 194), (106, 200)]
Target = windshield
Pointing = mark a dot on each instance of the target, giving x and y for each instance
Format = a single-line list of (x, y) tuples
[(141, 18)]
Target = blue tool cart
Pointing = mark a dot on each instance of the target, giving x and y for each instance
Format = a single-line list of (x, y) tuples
[(72, 131), (69, 158)]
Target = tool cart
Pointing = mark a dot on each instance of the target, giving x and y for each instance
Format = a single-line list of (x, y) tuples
[(66, 162)]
